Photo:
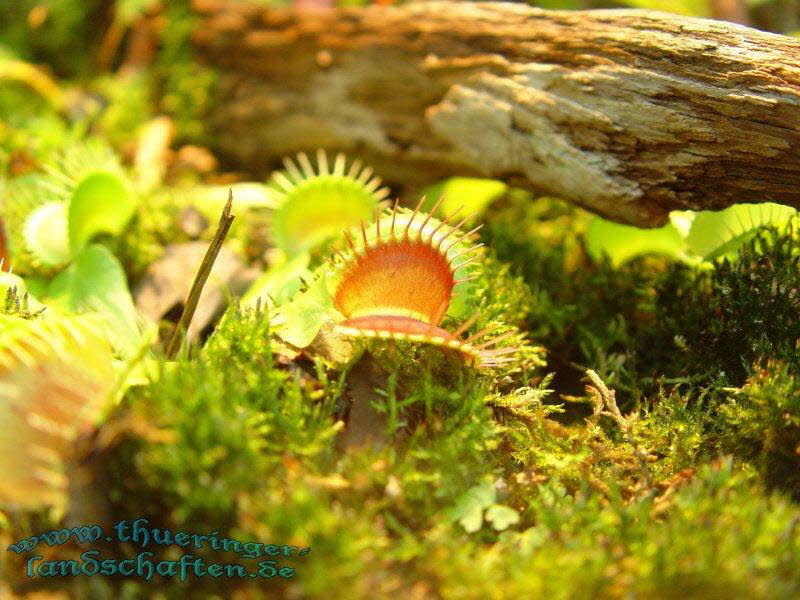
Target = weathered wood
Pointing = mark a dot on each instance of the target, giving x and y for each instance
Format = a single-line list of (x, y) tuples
[(629, 113)]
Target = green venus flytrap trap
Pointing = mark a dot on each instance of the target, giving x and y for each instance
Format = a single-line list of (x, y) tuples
[(54, 218), (310, 206), (45, 234), (693, 237), (313, 205)]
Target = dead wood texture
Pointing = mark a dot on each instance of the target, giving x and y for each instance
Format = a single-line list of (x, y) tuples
[(629, 113)]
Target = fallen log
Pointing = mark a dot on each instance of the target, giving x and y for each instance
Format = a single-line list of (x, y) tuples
[(629, 113)]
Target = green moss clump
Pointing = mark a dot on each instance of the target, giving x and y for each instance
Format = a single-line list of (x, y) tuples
[(239, 441), (239, 444), (587, 313), (151, 229), (715, 324), (761, 423), (708, 541), (650, 319), (233, 415)]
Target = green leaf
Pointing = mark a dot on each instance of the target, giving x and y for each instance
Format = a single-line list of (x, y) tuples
[(714, 234), (101, 202), (300, 320), (473, 193), (624, 242), (690, 8), (501, 516), (280, 282), (468, 511), (95, 282)]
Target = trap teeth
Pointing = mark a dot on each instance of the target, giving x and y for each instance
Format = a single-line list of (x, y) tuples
[(391, 275), (397, 283), (45, 234), (55, 378), (413, 330), (313, 204)]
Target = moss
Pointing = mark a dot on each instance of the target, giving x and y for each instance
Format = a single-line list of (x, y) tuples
[(650, 319), (254, 455), (714, 324), (152, 228), (587, 313), (229, 447), (761, 423)]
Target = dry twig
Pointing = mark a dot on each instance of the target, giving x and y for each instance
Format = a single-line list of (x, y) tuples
[(203, 272), (604, 403)]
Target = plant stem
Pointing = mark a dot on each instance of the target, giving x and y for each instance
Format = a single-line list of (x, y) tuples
[(200, 279)]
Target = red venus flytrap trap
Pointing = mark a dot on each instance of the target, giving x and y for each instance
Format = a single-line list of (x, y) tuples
[(400, 282)]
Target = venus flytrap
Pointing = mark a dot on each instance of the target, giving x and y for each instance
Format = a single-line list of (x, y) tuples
[(83, 194), (397, 282), (56, 376), (691, 237), (45, 234), (311, 205), (23, 199)]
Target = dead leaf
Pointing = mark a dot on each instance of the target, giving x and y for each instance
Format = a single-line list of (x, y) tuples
[(334, 347)]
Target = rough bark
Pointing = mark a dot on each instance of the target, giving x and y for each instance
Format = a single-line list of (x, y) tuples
[(629, 113)]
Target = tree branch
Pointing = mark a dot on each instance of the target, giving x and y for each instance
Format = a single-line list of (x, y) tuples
[(629, 113)]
